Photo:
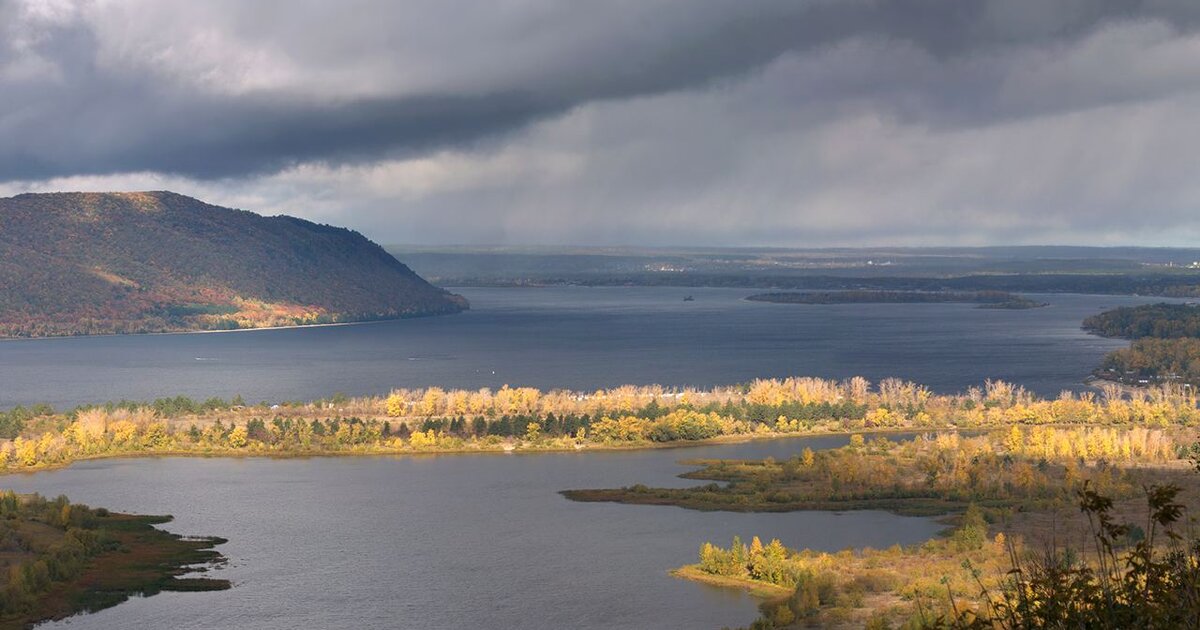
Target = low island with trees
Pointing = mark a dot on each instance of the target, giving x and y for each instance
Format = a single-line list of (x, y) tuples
[(984, 299), (528, 419)]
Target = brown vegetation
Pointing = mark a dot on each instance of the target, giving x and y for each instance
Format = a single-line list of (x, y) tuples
[(58, 559)]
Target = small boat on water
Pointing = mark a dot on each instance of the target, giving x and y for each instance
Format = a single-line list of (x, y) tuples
[(689, 299)]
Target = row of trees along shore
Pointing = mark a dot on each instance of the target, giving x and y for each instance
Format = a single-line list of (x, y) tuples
[(435, 419)]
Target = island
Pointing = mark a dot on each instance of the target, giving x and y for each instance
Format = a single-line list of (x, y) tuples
[(58, 559), (526, 419), (985, 299), (104, 263)]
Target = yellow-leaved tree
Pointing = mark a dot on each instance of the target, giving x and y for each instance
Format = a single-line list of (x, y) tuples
[(396, 405), (238, 437)]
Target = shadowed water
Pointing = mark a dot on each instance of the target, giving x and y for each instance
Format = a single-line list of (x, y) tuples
[(581, 338)]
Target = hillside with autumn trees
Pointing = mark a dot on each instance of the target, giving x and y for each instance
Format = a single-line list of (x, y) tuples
[(100, 263)]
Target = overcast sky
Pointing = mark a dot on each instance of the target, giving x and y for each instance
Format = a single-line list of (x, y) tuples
[(697, 122)]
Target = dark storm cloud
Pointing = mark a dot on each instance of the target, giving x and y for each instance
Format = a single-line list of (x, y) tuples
[(799, 122), (84, 94)]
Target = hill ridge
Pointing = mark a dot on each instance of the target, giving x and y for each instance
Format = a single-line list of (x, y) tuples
[(157, 261)]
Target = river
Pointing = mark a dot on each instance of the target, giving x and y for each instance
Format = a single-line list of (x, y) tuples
[(577, 337)]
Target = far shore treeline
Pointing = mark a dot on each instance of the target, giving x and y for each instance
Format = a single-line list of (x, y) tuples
[(984, 299), (528, 419)]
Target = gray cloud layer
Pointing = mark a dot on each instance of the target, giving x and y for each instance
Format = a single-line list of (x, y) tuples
[(774, 122)]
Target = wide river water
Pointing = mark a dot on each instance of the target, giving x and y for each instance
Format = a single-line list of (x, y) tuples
[(458, 541), (576, 337), (485, 541)]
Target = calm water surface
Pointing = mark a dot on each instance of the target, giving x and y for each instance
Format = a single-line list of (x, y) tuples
[(447, 542), (581, 338), (486, 541)]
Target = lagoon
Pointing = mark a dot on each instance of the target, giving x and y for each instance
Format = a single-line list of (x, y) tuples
[(455, 541)]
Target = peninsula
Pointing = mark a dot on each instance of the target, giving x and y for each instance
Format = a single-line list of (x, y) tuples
[(1165, 348), (61, 559)]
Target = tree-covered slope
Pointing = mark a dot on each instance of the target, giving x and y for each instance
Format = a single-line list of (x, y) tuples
[(1165, 348), (1161, 321), (89, 263)]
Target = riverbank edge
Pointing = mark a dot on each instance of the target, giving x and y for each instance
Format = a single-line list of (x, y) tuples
[(927, 508), (499, 449), (762, 590)]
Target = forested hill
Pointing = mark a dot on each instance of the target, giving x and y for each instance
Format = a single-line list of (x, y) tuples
[(1166, 343), (1162, 321), (94, 263)]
